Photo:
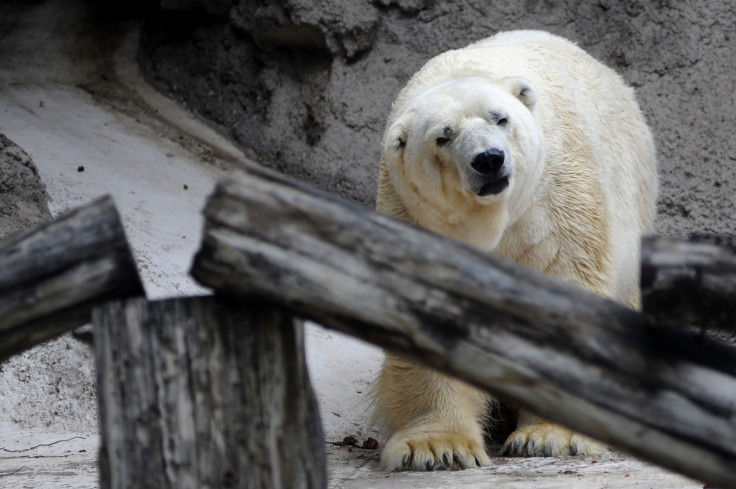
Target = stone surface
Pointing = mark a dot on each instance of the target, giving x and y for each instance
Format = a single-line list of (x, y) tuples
[(23, 198), (307, 86), (356, 469)]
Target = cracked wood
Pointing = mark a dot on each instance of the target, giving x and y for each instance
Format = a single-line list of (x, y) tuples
[(573, 357)]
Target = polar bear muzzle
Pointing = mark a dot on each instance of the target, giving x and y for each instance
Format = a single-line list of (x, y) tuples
[(489, 166), (494, 188), (489, 175), (488, 163)]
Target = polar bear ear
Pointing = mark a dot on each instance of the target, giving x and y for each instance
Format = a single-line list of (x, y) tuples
[(396, 135), (522, 89)]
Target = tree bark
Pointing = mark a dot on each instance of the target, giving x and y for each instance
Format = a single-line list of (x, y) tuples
[(690, 282), (52, 275), (573, 357), (203, 393)]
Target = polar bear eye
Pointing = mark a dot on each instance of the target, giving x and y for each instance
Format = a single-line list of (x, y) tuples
[(441, 141), (445, 138), (499, 118)]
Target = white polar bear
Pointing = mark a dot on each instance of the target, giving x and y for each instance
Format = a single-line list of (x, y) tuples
[(525, 146)]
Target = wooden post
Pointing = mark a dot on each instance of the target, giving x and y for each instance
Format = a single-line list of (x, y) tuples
[(51, 276), (567, 354), (690, 281), (205, 393)]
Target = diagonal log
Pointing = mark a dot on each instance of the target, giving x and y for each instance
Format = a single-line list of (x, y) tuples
[(569, 355), (53, 275), (690, 281)]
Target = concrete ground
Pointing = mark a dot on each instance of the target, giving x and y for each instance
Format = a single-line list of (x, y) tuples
[(71, 96)]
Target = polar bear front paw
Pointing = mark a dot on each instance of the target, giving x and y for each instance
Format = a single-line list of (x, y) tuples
[(548, 440), (415, 449)]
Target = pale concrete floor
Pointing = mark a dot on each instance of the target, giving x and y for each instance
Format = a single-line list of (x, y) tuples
[(144, 150), (358, 470)]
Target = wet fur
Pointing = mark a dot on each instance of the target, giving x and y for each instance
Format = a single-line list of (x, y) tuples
[(581, 222)]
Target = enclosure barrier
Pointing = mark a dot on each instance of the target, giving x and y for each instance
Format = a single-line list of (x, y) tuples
[(205, 393), (566, 354), (214, 392), (53, 275)]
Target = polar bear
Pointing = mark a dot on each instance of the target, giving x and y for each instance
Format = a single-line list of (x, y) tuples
[(524, 146)]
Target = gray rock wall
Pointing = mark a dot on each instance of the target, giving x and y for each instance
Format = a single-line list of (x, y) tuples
[(23, 198), (307, 85)]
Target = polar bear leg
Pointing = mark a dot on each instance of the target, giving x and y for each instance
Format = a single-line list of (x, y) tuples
[(435, 421), (536, 437)]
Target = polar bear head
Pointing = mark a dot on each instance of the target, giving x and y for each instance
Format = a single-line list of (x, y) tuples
[(464, 154)]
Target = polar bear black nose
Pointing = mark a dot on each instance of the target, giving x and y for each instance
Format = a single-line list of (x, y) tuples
[(488, 162)]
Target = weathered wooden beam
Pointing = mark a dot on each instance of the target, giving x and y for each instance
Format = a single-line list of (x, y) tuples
[(569, 355), (690, 282), (203, 393), (51, 276)]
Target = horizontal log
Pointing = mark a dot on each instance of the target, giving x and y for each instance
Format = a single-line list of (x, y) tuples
[(690, 282), (568, 355), (53, 275), (203, 393)]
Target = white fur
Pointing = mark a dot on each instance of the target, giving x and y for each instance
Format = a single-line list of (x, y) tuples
[(580, 164)]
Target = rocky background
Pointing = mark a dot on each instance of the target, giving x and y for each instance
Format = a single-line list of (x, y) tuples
[(306, 86), (23, 198)]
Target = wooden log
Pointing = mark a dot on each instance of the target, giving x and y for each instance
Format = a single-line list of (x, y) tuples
[(51, 276), (690, 282), (573, 357), (202, 393)]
